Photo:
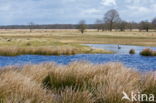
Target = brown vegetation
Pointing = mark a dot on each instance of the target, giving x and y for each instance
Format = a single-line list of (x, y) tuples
[(73, 37), (66, 50), (132, 51), (74, 83), (148, 52)]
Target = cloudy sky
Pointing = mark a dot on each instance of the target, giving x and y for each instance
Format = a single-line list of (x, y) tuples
[(71, 11)]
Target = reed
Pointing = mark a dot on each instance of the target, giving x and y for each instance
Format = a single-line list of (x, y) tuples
[(14, 51), (66, 50)]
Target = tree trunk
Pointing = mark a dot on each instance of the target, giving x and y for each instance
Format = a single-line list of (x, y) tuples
[(111, 25)]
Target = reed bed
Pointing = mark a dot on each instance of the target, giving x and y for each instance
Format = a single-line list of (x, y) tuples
[(54, 50), (77, 82), (13, 51)]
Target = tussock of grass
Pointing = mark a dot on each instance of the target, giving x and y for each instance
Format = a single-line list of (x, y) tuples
[(132, 51), (17, 88), (78, 82), (38, 72), (149, 84), (66, 50), (68, 95), (148, 52)]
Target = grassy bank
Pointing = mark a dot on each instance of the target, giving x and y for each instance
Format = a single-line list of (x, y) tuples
[(78, 82), (51, 50)]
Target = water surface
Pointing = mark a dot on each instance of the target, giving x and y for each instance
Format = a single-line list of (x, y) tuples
[(124, 49), (135, 61)]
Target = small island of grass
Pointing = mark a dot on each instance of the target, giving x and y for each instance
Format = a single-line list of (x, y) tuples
[(148, 52)]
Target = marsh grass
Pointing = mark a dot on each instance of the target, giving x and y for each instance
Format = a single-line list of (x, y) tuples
[(13, 51), (132, 51), (148, 52), (76, 96), (66, 50), (149, 84), (77, 82), (15, 88), (48, 37)]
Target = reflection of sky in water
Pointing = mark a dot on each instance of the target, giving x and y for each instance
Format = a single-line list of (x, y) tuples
[(124, 48), (134, 61)]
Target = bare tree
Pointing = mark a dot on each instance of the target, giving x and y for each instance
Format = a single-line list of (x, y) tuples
[(98, 24), (130, 26), (145, 25), (122, 25), (31, 26), (154, 23), (111, 17), (82, 26)]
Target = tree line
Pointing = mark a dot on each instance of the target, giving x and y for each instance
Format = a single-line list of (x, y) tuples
[(111, 21)]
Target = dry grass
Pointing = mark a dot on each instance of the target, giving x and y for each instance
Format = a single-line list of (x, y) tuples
[(57, 42), (13, 51), (78, 82), (58, 50), (75, 37), (17, 88), (105, 82)]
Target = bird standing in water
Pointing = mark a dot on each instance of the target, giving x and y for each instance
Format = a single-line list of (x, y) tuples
[(119, 47)]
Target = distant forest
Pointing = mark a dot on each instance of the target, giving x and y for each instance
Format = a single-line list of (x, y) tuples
[(48, 26), (110, 21)]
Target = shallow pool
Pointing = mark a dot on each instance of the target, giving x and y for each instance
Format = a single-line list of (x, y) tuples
[(134, 61), (124, 49)]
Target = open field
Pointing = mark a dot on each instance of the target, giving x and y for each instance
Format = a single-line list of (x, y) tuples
[(78, 82), (52, 41), (50, 37)]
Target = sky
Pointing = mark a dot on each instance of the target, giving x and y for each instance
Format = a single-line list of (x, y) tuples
[(22, 12)]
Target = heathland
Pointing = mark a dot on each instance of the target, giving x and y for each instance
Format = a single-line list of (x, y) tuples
[(77, 82), (57, 42)]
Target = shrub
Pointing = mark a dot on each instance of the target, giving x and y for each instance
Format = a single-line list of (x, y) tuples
[(132, 51), (148, 52)]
